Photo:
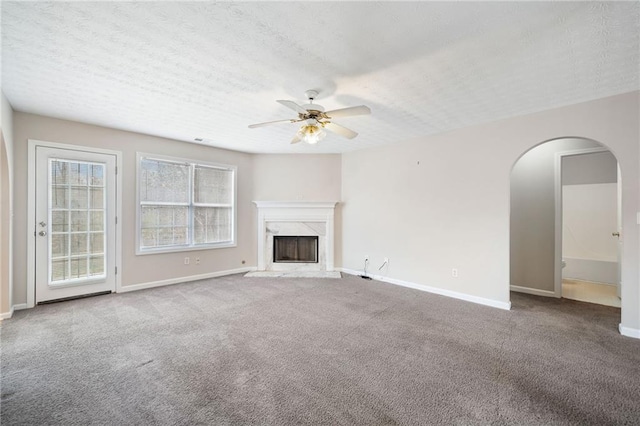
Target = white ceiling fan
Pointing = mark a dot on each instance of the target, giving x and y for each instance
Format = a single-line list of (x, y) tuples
[(316, 119)]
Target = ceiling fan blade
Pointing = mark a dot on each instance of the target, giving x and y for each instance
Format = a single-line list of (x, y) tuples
[(296, 139), (341, 130), (294, 106), (253, 126), (347, 112)]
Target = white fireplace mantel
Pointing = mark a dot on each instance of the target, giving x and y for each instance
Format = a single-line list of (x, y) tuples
[(295, 212)]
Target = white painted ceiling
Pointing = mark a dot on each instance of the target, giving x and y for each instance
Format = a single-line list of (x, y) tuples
[(184, 70)]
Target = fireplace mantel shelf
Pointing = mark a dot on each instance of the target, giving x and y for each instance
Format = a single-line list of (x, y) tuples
[(296, 204)]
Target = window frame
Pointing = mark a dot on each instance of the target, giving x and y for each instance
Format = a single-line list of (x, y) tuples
[(191, 205)]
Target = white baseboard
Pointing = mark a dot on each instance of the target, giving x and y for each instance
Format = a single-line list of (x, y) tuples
[(629, 332), (449, 293), (534, 291), (597, 271), (162, 283), (6, 315)]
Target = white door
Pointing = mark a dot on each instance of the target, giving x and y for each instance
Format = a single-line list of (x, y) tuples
[(75, 223)]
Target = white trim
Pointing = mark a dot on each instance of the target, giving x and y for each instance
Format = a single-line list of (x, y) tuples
[(557, 182), (18, 307), (7, 315), (162, 283), (296, 204), (629, 332), (534, 291), (191, 163), (31, 209), (435, 290)]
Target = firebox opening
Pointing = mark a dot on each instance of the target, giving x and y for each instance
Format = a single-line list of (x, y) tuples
[(295, 249)]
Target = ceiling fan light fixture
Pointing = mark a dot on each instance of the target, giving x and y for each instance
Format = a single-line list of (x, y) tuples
[(315, 120), (311, 133)]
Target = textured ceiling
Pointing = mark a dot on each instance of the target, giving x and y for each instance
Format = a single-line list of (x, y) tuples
[(185, 70)]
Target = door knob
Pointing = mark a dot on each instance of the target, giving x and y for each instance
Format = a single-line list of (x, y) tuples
[(42, 233), (42, 224), (615, 234)]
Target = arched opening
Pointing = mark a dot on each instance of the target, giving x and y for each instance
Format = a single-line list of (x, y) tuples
[(565, 222)]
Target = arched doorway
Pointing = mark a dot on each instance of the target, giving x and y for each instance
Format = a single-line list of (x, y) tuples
[(536, 220)]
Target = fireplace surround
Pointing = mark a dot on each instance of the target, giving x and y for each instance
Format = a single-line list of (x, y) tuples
[(295, 219)]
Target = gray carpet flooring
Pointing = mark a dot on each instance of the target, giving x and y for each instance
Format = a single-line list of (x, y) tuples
[(238, 350)]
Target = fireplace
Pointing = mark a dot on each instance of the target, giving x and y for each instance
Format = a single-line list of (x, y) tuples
[(295, 249), (295, 237)]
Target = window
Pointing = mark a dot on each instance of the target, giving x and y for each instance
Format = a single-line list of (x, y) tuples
[(184, 205)]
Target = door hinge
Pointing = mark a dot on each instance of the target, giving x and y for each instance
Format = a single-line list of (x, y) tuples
[(116, 270), (116, 169), (116, 220)]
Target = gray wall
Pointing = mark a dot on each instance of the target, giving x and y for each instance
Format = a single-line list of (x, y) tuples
[(287, 177), (279, 179), (441, 202)]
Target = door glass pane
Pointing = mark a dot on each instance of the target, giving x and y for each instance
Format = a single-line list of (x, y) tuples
[(96, 265), (60, 221), (96, 242), (96, 198), (78, 244), (59, 270), (60, 197), (59, 245), (78, 197), (77, 200), (79, 220), (97, 220)]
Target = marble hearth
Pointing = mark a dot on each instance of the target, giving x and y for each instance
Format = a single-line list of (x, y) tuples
[(295, 218)]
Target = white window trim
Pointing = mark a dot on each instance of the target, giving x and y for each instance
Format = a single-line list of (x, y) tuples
[(174, 249)]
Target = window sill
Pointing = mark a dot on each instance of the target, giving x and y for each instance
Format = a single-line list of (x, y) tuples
[(185, 249)]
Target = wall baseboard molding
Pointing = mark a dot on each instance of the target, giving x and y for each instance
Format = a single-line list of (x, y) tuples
[(534, 291), (435, 290), (629, 332), (162, 283), (597, 271), (6, 315)]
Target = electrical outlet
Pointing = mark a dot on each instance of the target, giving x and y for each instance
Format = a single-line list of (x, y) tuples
[(197, 260), (186, 260), (454, 273)]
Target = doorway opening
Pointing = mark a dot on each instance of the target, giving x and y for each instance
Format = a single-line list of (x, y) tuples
[(590, 223), (565, 238)]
